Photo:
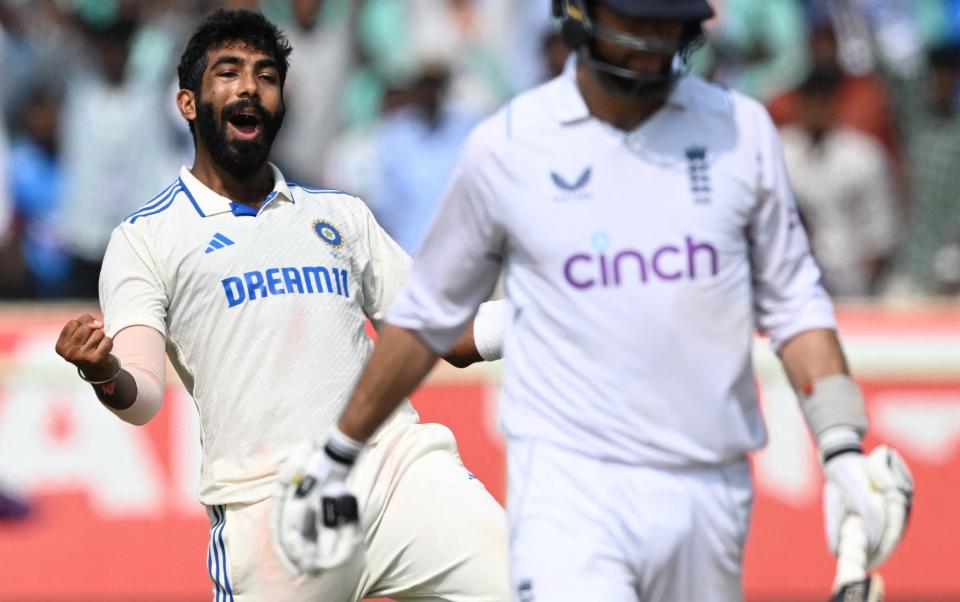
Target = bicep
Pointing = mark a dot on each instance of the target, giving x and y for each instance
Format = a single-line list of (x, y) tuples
[(131, 288), (385, 272)]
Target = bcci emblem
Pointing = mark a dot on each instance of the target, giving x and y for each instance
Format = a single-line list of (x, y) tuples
[(328, 233)]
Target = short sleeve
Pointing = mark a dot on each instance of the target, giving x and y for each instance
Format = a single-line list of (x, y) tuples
[(386, 271), (131, 289), (457, 265), (788, 295)]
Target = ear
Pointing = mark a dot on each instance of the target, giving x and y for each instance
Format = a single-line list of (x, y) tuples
[(187, 103)]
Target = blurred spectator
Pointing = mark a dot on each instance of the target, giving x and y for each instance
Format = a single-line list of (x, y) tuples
[(118, 145), (514, 30), (353, 159), (860, 101), (6, 211), (399, 36), (36, 179), (355, 121), (323, 39), (844, 189), (927, 112), (14, 276), (164, 25), (893, 28), (758, 46), (419, 145), (38, 43), (946, 269)]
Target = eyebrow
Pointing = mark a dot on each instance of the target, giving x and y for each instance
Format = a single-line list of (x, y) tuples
[(231, 59), (266, 64), (227, 60)]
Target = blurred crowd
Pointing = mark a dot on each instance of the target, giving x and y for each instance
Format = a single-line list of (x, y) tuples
[(382, 93)]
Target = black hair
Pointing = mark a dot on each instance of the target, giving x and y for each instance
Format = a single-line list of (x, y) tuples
[(945, 57), (822, 83), (223, 28), (118, 31)]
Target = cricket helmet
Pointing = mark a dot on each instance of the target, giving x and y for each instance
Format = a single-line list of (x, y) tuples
[(580, 31)]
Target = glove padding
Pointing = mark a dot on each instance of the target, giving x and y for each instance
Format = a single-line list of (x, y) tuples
[(879, 489), (315, 521)]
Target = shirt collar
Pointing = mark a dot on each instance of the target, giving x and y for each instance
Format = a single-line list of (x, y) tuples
[(209, 202), (570, 107)]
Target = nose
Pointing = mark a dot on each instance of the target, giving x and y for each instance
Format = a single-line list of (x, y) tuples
[(248, 85)]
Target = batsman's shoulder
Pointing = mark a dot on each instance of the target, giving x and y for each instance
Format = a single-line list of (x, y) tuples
[(525, 116), (717, 98), (486, 137)]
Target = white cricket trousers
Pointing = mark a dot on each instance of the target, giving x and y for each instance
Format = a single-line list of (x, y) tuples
[(585, 530), (432, 533)]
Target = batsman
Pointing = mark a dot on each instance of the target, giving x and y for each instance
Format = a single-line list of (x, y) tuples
[(644, 225)]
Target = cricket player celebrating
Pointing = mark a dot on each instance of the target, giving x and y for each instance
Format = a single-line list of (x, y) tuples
[(259, 289), (645, 226)]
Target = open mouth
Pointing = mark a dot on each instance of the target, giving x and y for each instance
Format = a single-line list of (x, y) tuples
[(247, 125)]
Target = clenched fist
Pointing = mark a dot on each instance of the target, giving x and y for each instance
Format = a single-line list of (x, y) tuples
[(83, 343)]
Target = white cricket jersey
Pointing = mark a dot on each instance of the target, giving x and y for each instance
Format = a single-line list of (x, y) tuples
[(637, 265), (263, 311)]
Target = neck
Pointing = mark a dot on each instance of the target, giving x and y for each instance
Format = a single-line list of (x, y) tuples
[(249, 190), (624, 113)]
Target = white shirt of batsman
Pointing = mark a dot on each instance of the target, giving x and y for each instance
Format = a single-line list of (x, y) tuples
[(634, 288)]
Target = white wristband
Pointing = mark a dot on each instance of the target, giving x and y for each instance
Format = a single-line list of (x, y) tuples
[(341, 448), (836, 415), (488, 329)]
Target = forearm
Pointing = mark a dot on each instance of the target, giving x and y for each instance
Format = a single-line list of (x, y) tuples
[(399, 362), (464, 352), (812, 355), (140, 350), (118, 394), (483, 338), (832, 403)]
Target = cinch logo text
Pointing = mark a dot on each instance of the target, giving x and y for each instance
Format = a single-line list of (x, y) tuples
[(668, 263), (284, 281)]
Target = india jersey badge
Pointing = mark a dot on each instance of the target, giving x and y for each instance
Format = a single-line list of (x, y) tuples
[(328, 233)]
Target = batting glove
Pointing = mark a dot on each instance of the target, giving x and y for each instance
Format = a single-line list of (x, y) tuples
[(315, 518), (878, 488), (891, 478)]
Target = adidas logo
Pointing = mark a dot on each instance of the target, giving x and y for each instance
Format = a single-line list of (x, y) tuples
[(218, 241)]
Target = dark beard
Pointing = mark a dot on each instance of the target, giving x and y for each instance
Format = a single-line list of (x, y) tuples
[(240, 158), (616, 79)]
